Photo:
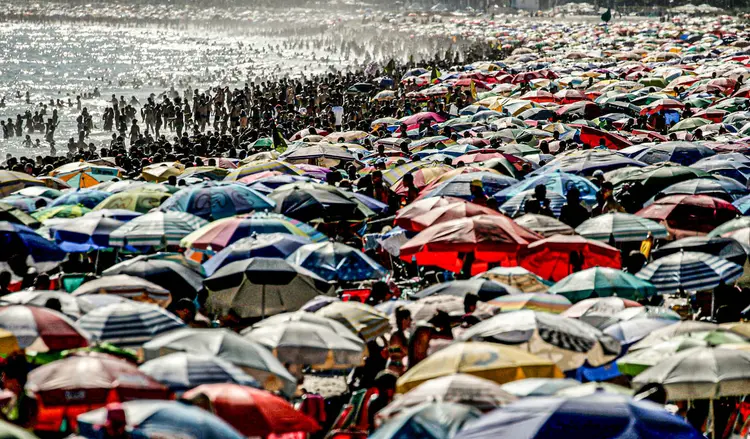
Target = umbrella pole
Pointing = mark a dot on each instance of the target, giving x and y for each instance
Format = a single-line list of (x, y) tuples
[(96, 262), (263, 303), (712, 418)]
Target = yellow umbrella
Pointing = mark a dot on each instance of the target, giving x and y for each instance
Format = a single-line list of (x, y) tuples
[(11, 181), (8, 343), (159, 172), (742, 328), (495, 362)]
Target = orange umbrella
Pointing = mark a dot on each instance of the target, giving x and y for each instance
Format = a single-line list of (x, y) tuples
[(552, 258), (452, 244)]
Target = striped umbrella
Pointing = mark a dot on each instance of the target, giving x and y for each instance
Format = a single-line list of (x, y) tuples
[(181, 276), (362, 319), (88, 198), (517, 277), (123, 285), (83, 174), (83, 234), (41, 329), (689, 271), (213, 201), (182, 371), (261, 166), (136, 201), (73, 307), (392, 176), (550, 303), (218, 235), (128, 324), (11, 181), (156, 229), (271, 245), (602, 282), (63, 211), (20, 241), (622, 227), (516, 205)]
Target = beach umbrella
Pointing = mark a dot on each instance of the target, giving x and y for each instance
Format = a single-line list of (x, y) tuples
[(156, 229), (460, 185), (26, 204), (689, 271), (682, 153), (544, 225), (159, 172), (181, 371), (426, 212), (632, 331), (337, 262), (696, 213), (726, 248), (620, 227), (429, 421), (257, 166), (656, 178), (642, 312), (311, 201), (141, 201), (134, 186), (162, 419), (490, 238), (737, 171), (266, 185), (534, 387), (84, 174), (201, 173), (598, 310), (592, 388), (600, 415), (515, 206), (303, 343), (361, 319), (485, 289), (63, 211), (21, 242), (10, 431), (15, 215), (639, 360), (553, 258), (72, 307), (568, 342), (259, 287), (83, 234), (700, 373), (79, 383), (123, 285), (593, 137), (719, 187), (731, 226), (267, 245), (557, 182), (128, 324), (212, 201), (88, 198), (171, 272), (603, 282), (586, 162), (681, 328), (492, 361), (517, 277), (12, 181), (41, 329), (235, 404), (425, 308), (251, 357), (689, 124)]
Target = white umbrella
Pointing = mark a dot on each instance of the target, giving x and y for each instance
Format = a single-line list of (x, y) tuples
[(123, 285)]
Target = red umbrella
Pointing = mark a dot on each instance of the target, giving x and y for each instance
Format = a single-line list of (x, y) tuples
[(662, 104), (526, 77), (306, 132), (696, 213), (569, 96), (421, 207), (550, 258), (490, 238), (650, 135), (726, 84), (592, 137), (253, 412), (80, 383), (41, 329), (466, 82), (441, 214), (539, 96), (423, 116), (712, 114)]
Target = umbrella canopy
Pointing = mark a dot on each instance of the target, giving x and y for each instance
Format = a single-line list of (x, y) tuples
[(48, 213), (88, 198), (311, 201), (73, 307), (549, 303), (11, 181), (428, 421), (270, 414), (251, 357), (361, 319), (516, 205), (15, 215), (267, 245), (41, 329), (10, 431), (689, 271), (123, 285), (218, 235), (656, 178), (299, 342), (156, 229), (159, 172), (181, 371), (699, 213), (491, 361), (517, 277), (558, 256), (418, 216), (538, 386), (459, 388), (162, 419), (557, 182), (567, 342), (600, 415), (603, 282), (83, 234), (682, 153), (490, 238), (84, 175), (213, 201), (720, 187), (544, 225), (168, 270), (128, 324), (334, 261), (140, 201), (700, 373), (485, 289), (620, 227), (259, 287), (639, 360), (21, 242), (687, 327), (726, 248), (596, 311), (631, 331)]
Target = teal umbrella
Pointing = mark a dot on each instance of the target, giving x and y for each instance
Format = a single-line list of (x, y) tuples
[(602, 282), (428, 421)]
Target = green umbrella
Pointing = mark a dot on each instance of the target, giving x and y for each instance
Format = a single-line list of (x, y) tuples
[(636, 362), (66, 211), (697, 102), (603, 282), (731, 104), (653, 81), (689, 124), (263, 142)]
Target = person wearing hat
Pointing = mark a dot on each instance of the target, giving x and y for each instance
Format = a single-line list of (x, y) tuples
[(477, 193)]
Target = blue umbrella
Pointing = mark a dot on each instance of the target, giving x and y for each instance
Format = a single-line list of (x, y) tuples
[(267, 185), (17, 240), (85, 197), (374, 205), (682, 153), (516, 205), (270, 245), (559, 182), (743, 204), (598, 416), (150, 418), (460, 185), (720, 187), (334, 261), (84, 234), (217, 200), (428, 421), (689, 271), (728, 168), (181, 371)]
